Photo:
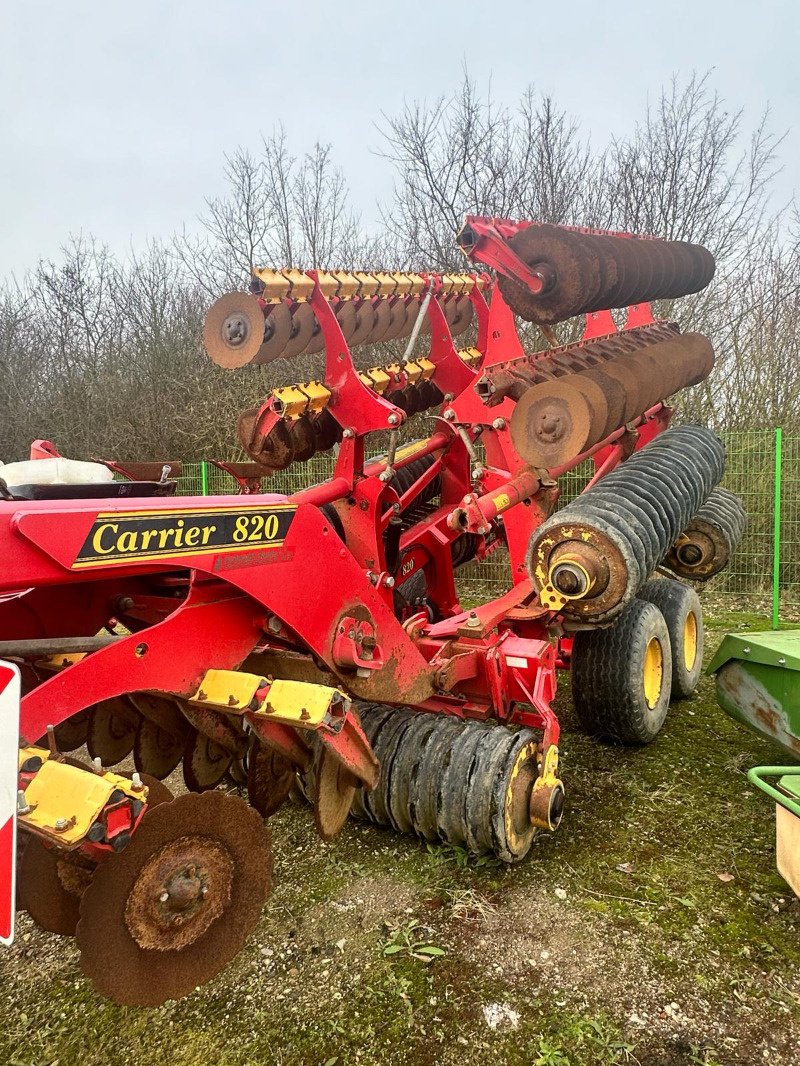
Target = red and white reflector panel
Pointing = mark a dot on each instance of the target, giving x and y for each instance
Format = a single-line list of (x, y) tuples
[(9, 749)]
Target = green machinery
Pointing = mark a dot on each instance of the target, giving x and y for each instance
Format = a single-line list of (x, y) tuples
[(758, 684)]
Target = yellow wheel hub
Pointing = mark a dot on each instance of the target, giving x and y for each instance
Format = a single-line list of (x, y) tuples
[(653, 674), (690, 640)]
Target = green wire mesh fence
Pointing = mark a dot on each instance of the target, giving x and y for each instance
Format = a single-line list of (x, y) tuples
[(763, 467)]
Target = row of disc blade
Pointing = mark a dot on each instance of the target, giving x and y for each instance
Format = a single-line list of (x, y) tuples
[(586, 272), (297, 440), (153, 729), (241, 329), (578, 397)]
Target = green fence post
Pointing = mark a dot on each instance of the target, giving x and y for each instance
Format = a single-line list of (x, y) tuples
[(776, 530), (204, 477)]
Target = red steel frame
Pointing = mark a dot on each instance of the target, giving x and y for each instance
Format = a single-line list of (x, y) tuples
[(312, 596)]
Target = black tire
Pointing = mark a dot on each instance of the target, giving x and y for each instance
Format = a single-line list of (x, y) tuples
[(683, 614), (612, 670)]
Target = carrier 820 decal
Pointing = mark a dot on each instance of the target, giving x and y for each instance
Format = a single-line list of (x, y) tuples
[(120, 537)]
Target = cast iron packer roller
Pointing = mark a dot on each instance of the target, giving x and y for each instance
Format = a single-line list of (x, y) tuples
[(465, 783), (705, 546), (592, 557)]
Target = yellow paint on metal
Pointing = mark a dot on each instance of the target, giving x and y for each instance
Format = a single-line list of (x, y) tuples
[(515, 838), (301, 703), (690, 640), (69, 797), (229, 690), (653, 672), (470, 356), (290, 401), (59, 662), (572, 561), (318, 395), (376, 378), (298, 703), (387, 283), (300, 284), (328, 284), (369, 284), (276, 285), (413, 370), (348, 284), (410, 449)]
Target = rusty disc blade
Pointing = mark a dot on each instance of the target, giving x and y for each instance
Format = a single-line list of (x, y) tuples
[(365, 323), (383, 320), (317, 340), (72, 734), (177, 904), (615, 399), (334, 790), (327, 431), (205, 763), (628, 378), (233, 331), (278, 450), (450, 309), (551, 423), (463, 316), (562, 255), (269, 778), (597, 403), (347, 317), (397, 327), (50, 888), (158, 751), (304, 441), (112, 730), (303, 321), (277, 332)]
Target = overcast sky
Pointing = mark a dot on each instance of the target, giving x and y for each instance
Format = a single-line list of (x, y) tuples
[(115, 117)]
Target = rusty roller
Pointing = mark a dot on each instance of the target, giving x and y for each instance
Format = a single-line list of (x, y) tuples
[(584, 272), (705, 546), (557, 419), (468, 784), (591, 558)]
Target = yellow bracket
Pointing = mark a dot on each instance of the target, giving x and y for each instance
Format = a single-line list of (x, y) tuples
[(303, 704), (296, 703), (300, 285), (276, 285), (64, 801), (551, 598), (470, 356), (292, 401), (376, 379), (428, 368), (59, 662)]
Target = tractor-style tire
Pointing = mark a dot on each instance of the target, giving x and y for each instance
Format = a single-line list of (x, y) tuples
[(621, 676), (683, 614)]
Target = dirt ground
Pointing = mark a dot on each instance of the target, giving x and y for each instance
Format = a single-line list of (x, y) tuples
[(652, 929)]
